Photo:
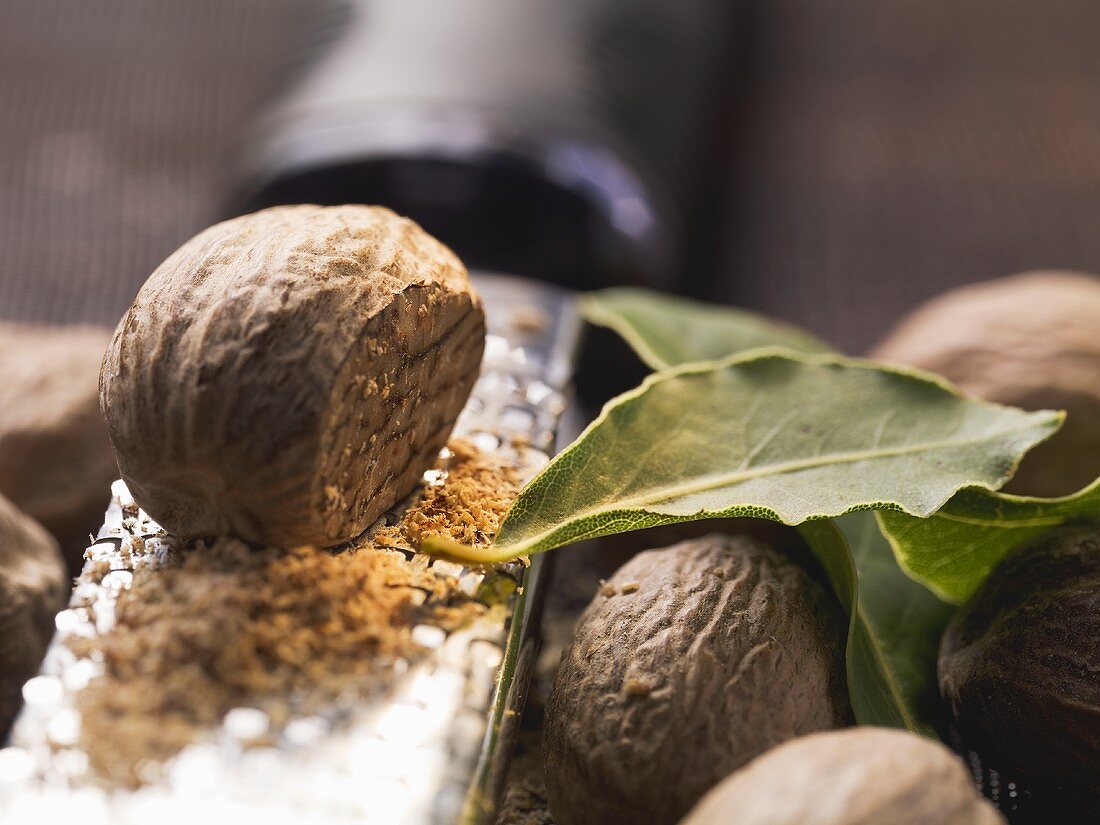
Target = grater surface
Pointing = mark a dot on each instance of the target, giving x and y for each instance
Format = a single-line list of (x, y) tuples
[(427, 748)]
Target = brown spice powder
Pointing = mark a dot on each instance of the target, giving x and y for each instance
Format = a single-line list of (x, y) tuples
[(288, 631)]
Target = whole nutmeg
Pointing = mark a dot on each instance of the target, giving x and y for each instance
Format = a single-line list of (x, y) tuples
[(860, 776), (689, 662), (56, 463), (1028, 340), (1019, 669), (287, 376), (33, 587)]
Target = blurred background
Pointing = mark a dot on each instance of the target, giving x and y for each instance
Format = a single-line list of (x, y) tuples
[(834, 161)]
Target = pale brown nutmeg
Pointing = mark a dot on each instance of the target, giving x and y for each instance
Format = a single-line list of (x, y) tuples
[(690, 661), (287, 376), (860, 776), (56, 463), (1028, 340), (33, 587)]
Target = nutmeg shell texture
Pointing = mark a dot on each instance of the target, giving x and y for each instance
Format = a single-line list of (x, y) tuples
[(690, 661), (1019, 668), (56, 462), (33, 586), (859, 776), (1031, 341), (287, 376)]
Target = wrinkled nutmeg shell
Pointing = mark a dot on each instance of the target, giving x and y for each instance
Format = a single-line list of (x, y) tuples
[(1030, 341), (1019, 668), (33, 587), (692, 660), (858, 776), (56, 463), (287, 376)]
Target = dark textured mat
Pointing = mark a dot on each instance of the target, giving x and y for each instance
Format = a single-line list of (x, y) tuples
[(881, 151), (120, 121), (888, 150)]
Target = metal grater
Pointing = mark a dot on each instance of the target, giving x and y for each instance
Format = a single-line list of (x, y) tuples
[(433, 750), (1012, 798)]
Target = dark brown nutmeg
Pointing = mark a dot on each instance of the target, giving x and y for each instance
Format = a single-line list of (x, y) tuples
[(689, 662), (56, 463), (860, 776), (33, 587), (287, 376), (1028, 340), (1019, 668)]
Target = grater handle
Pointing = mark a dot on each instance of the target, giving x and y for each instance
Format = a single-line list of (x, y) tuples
[(566, 131)]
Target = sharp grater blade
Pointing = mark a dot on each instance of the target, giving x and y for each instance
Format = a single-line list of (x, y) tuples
[(432, 750)]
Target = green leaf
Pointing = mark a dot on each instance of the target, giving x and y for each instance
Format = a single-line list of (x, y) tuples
[(790, 438), (894, 622), (894, 627), (771, 435), (666, 331), (954, 551)]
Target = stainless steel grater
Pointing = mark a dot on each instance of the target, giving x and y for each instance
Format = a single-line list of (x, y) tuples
[(431, 750)]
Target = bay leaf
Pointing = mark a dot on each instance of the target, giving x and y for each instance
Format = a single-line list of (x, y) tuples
[(953, 551), (895, 622), (894, 625), (666, 331), (768, 434)]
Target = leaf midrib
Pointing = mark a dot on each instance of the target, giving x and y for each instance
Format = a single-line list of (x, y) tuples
[(879, 655), (1003, 523), (729, 479)]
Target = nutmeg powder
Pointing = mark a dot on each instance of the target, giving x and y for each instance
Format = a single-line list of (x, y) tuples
[(288, 631)]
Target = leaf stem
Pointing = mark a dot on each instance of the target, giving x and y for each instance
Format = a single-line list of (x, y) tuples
[(444, 548)]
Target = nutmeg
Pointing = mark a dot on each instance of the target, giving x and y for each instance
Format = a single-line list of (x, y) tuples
[(1030, 341), (1019, 670), (56, 463), (287, 376), (32, 589), (858, 776), (690, 661)]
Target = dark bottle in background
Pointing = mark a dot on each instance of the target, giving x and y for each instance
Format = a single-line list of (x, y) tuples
[(563, 140)]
